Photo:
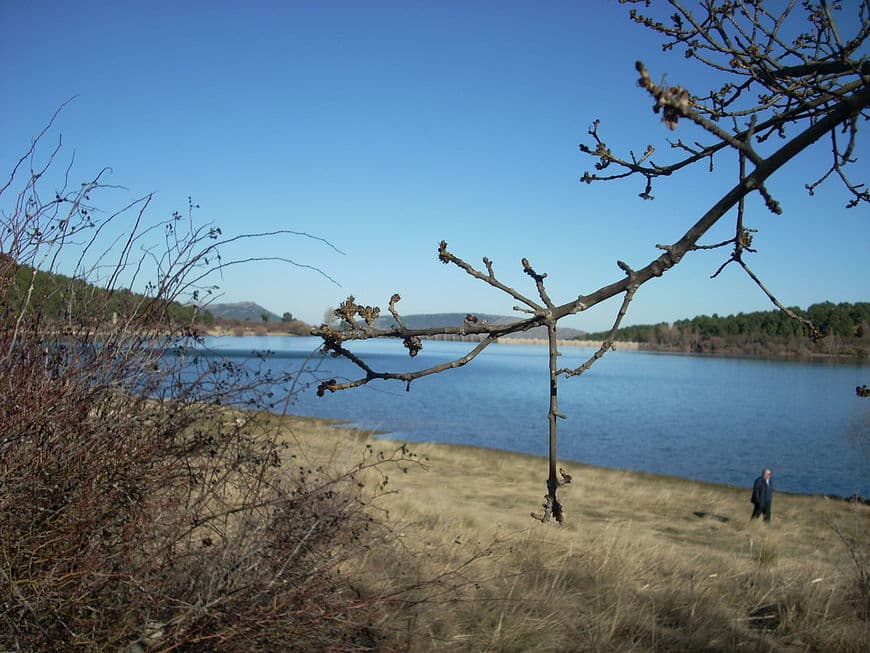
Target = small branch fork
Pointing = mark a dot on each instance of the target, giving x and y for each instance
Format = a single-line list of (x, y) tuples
[(824, 92), (358, 323)]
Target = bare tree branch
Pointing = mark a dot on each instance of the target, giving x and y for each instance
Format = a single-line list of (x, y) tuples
[(778, 77)]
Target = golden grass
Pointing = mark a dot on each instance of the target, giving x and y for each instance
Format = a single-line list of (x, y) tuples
[(643, 562)]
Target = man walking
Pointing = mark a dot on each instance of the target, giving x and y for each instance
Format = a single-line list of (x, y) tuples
[(762, 495)]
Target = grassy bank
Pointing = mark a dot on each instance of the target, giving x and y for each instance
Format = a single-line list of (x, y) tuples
[(643, 562)]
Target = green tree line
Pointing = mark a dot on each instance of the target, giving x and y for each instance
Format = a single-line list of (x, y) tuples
[(67, 300), (846, 327)]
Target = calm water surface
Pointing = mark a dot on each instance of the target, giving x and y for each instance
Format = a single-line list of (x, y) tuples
[(711, 419)]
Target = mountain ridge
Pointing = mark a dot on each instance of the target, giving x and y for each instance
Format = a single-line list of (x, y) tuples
[(244, 311)]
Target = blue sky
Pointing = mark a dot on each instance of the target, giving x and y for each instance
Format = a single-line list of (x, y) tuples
[(385, 127)]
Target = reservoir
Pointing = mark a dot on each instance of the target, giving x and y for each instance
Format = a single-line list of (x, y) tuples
[(711, 419)]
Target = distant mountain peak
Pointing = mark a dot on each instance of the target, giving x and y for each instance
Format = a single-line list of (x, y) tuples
[(245, 311)]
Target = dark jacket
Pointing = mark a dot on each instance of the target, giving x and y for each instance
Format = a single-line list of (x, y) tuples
[(762, 492)]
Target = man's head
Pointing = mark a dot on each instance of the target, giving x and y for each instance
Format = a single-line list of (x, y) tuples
[(765, 473)]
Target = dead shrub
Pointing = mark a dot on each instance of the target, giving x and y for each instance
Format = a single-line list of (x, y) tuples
[(138, 508)]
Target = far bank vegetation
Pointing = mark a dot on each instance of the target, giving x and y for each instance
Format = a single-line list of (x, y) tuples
[(759, 334)]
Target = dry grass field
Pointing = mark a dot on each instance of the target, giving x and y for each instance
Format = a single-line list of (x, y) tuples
[(642, 563)]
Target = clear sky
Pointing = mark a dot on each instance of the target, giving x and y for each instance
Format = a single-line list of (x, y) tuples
[(385, 127)]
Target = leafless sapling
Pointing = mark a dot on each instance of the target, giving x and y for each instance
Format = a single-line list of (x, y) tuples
[(789, 78)]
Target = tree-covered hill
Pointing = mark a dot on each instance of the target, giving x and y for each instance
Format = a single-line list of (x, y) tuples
[(846, 327), (249, 318), (71, 301), (244, 311)]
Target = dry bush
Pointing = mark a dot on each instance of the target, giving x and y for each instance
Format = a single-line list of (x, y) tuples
[(116, 532), (139, 508)]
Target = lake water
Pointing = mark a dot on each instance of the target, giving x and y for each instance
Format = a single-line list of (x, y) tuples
[(711, 419)]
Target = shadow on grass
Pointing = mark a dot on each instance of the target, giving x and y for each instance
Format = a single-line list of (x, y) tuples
[(710, 515)]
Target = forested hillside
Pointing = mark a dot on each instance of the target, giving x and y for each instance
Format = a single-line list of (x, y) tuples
[(70, 301), (846, 327)]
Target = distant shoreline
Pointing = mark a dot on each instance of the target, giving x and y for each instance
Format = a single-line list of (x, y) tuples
[(569, 343), (348, 431), (617, 345), (562, 342)]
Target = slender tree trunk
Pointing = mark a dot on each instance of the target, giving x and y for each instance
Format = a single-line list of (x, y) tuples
[(552, 483)]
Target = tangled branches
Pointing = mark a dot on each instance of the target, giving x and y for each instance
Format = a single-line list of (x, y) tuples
[(140, 507)]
